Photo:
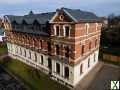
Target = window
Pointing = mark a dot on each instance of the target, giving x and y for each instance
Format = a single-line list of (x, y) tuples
[(57, 68), (49, 46), (82, 49), (94, 58), (67, 51), (87, 28), (66, 72), (90, 45), (16, 50), (35, 57), (25, 52), (49, 63), (30, 54), (57, 28), (20, 51), (41, 44), (57, 50), (81, 69), (95, 42), (41, 59), (67, 31), (88, 62), (61, 17)]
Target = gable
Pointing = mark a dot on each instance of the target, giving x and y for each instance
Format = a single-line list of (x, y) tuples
[(61, 17)]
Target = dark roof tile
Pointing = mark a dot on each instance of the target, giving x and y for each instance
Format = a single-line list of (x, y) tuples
[(79, 15), (41, 18)]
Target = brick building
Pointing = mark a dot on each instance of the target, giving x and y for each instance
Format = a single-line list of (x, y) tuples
[(64, 44)]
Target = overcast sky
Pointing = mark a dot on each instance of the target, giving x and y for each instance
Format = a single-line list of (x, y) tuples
[(100, 7)]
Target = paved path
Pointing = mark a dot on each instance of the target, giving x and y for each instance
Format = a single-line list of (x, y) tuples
[(99, 78)]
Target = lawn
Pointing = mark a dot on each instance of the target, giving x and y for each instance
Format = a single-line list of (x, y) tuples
[(3, 49), (32, 79)]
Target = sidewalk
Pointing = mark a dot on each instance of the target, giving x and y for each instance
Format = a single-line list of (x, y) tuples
[(100, 76), (84, 83)]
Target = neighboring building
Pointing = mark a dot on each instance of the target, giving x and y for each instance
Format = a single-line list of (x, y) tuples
[(104, 21), (64, 44), (2, 35)]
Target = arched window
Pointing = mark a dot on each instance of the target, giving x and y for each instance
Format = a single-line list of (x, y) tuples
[(20, 51), (41, 59), (25, 52), (57, 68), (30, 54), (66, 72), (35, 57), (49, 63), (81, 69)]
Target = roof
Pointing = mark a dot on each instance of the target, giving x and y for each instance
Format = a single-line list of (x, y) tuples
[(30, 18), (1, 32), (76, 14), (79, 15)]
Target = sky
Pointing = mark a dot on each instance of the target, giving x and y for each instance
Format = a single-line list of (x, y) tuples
[(21, 7)]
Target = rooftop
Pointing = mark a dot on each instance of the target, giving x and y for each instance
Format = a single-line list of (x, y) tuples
[(76, 14)]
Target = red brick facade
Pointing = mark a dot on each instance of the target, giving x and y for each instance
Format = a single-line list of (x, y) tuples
[(83, 38)]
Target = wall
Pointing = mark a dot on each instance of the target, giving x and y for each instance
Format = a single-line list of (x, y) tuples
[(74, 70), (77, 75)]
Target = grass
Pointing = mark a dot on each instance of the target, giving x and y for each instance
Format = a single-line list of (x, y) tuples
[(31, 79), (3, 49), (27, 74)]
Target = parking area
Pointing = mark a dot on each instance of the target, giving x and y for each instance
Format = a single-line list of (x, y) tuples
[(100, 77)]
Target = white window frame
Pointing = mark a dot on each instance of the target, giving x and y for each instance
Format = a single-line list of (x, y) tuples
[(64, 30), (55, 32), (96, 26)]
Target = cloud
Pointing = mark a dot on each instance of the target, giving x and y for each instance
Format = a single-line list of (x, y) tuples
[(21, 6), (12, 1), (59, 2)]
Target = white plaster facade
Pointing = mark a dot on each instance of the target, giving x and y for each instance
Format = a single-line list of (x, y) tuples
[(2, 36), (18, 52)]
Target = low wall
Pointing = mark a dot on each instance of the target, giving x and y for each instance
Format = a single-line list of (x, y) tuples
[(112, 58)]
